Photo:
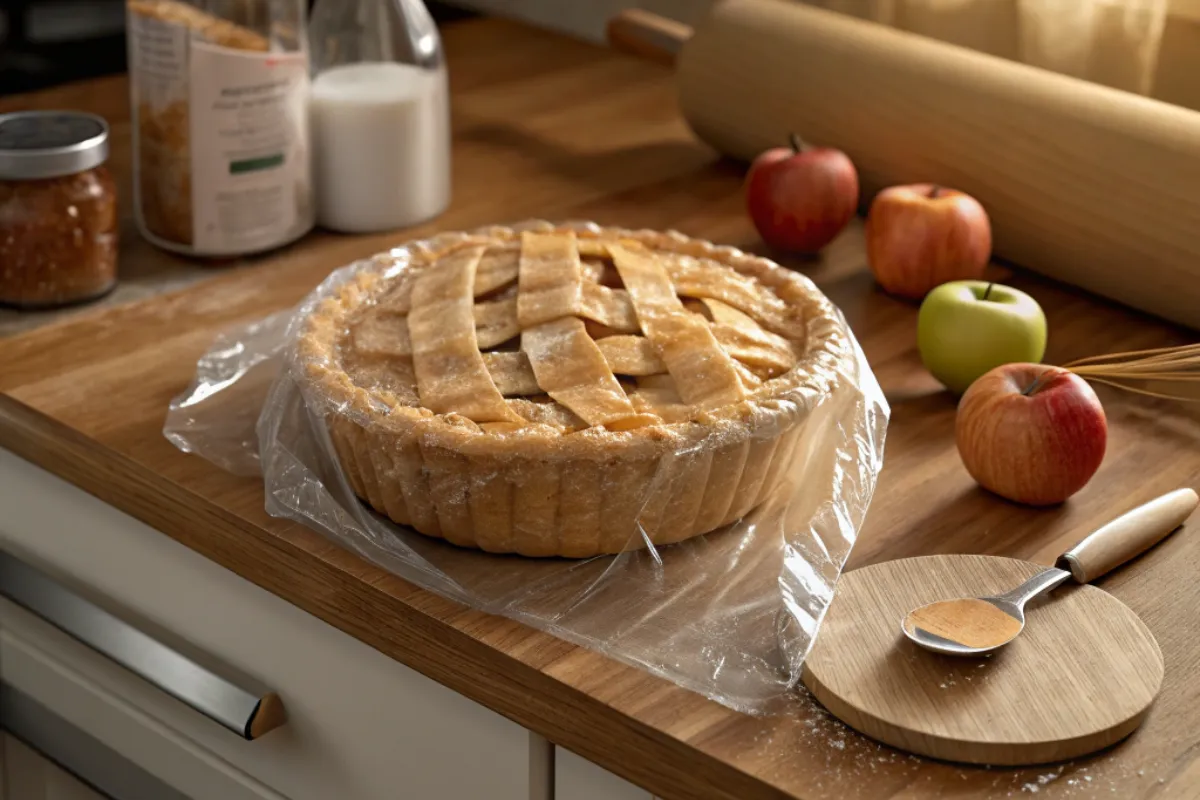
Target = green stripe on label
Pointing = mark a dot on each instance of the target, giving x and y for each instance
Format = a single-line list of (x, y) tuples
[(255, 164)]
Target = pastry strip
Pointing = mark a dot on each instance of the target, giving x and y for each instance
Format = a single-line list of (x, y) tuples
[(749, 342), (694, 279), (750, 381), (663, 403), (383, 334), (496, 269), (550, 278), (631, 355), (660, 381), (546, 413), (512, 373), (704, 373), (593, 270), (496, 321), (385, 374), (398, 299), (451, 376), (611, 307), (571, 369), (593, 247)]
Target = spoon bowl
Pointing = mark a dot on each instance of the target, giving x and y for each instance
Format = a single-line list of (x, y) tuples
[(975, 626)]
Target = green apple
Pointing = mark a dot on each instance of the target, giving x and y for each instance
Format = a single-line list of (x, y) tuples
[(966, 328)]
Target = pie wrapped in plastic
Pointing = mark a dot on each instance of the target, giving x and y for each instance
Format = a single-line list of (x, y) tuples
[(568, 391)]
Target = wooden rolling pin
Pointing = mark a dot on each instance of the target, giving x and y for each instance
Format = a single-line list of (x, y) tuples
[(1085, 184)]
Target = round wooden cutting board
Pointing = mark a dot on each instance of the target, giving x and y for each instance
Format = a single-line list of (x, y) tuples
[(1081, 677)]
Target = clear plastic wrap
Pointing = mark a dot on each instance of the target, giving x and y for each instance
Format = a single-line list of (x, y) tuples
[(730, 614)]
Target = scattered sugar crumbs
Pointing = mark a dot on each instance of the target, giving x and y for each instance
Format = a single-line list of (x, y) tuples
[(1070, 779), (1034, 786), (849, 758)]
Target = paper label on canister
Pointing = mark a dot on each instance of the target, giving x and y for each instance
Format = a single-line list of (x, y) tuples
[(158, 54), (249, 153), (221, 142)]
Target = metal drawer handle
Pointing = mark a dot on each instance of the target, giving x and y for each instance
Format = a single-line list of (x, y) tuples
[(219, 692)]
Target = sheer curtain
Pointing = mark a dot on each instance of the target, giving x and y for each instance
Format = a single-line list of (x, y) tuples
[(1150, 47)]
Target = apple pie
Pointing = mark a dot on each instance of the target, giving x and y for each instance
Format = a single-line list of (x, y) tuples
[(569, 391)]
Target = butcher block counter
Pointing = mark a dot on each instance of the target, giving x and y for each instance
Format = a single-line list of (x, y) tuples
[(546, 127)]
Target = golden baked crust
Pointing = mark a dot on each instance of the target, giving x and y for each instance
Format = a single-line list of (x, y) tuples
[(670, 440)]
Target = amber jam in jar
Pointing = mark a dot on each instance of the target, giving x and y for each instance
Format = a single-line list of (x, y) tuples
[(58, 209)]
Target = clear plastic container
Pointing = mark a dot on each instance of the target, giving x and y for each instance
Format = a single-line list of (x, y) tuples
[(219, 89), (380, 115), (58, 209)]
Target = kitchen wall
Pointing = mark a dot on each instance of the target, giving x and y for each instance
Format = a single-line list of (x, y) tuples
[(584, 18), (1178, 77), (63, 40), (45, 42), (48, 42)]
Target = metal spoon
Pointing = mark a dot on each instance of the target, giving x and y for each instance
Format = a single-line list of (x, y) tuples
[(973, 626)]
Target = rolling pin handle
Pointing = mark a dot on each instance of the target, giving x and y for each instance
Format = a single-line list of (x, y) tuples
[(647, 35)]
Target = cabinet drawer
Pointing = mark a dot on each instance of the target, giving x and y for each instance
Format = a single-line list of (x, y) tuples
[(90, 695), (360, 725), (576, 778)]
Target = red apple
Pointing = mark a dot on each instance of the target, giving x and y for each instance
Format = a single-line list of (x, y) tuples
[(801, 197), (924, 235), (1031, 433)]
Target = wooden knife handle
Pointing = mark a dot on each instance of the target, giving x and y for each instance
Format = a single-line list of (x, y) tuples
[(647, 35), (1128, 535)]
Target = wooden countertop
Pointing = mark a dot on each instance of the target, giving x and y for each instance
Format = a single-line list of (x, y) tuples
[(548, 127)]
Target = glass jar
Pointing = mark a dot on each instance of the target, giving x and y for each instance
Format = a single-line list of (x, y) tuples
[(380, 113), (58, 209), (219, 95)]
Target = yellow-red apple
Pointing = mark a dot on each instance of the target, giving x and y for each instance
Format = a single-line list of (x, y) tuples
[(1031, 433), (924, 235), (800, 198)]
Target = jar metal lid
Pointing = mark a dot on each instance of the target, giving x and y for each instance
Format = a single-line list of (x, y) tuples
[(47, 144)]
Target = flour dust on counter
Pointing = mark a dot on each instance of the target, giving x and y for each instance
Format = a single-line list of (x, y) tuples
[(846, 757)]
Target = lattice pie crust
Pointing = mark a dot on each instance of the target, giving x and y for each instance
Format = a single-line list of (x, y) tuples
[(569, 391)]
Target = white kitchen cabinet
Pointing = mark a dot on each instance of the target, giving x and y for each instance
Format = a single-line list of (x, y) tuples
[(576, 778), (360, 725), (28, 775), (83, 693)]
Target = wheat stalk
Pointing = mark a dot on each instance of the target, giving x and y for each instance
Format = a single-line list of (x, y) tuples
[(1167, 364)]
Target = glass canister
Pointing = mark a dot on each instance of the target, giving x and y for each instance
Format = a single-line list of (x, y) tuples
[(58, 209), (380, 115), (219, 92)]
